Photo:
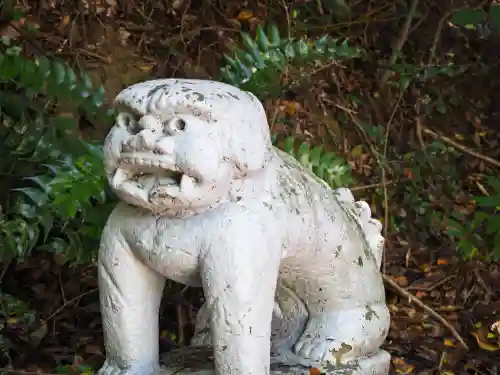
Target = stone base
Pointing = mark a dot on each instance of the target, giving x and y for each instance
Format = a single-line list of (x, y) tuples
[(199, 361)]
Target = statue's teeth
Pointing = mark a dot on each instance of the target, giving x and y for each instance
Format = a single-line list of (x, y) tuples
[(167, 181), (187, 184), (119, 178)]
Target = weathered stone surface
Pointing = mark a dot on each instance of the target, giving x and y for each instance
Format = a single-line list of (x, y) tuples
[(289, 266), (199, 361)]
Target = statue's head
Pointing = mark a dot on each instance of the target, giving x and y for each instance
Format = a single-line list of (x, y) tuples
[(178, 144)]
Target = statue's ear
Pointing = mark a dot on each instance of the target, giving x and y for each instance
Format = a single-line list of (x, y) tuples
[(249, 141)]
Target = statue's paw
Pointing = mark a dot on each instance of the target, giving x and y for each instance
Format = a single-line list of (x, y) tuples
[(112, 368), (315, 342), (314, 349), (344, 335)]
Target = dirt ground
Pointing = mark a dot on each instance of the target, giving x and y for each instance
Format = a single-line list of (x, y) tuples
[(442, 308)]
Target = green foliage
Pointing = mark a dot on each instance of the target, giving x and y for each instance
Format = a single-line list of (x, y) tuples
[(409, 74), (258, 67), (54, 177), (15, 315), (339, 8), (480, 230), (328, 166), (76, 369), (471, 18)]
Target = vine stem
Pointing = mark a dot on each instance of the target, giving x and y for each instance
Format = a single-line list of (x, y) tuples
[(384, 176), (460, 147), (404, 293), (403, 36)]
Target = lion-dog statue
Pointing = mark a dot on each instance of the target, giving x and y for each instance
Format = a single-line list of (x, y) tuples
[(290, 268)]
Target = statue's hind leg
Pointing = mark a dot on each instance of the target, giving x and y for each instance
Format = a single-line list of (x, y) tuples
[(343, 335), (347, 315)]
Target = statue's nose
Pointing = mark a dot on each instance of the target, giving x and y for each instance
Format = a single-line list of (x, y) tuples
[(151, 123), (150, 129)]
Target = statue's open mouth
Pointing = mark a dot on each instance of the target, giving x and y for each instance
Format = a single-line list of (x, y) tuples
[(147, 175)]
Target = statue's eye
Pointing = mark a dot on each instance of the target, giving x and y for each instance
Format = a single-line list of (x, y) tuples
[(180, 124), (129, 122), (175, 125)]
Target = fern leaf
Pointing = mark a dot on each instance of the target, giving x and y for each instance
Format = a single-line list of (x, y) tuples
[(274, 35), (326, 165), (259, 66), (262, 40)]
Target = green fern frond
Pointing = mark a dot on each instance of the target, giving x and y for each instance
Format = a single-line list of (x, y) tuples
[(258, 67), (58, 178), (328, 166), (62, 210)]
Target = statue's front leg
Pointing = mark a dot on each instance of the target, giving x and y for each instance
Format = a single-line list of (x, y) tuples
[(130, 295), (239, 274)]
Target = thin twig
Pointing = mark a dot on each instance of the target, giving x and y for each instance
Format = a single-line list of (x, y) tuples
[(66, 304), (180, 323), (384, 177), (4, 270), (372, 186), (288, 18), (481, 187), (433, 286), (460, 147), (437, 36), (400, 41), (401, 291)]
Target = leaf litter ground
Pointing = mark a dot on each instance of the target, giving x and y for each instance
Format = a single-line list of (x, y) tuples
[(442, 308)]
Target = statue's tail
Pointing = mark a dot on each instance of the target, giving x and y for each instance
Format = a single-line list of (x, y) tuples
[(372, 228)]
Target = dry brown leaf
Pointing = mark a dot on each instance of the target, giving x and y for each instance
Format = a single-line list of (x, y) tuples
[(443, 261), (401, 366), (420, 294), (448, 342), (483, 343), (244, 15)]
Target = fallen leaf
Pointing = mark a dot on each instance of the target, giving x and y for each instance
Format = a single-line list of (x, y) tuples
[(146, 68), (443, 261), (289, 106), (408, 173), (483, 344), (420, 294), (357, 150), (401, 280), (425, 267), (244, 15), (314, 371), (448, 342), (401, 366)]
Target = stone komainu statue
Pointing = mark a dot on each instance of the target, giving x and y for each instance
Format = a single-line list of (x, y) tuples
[(289, 267)]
